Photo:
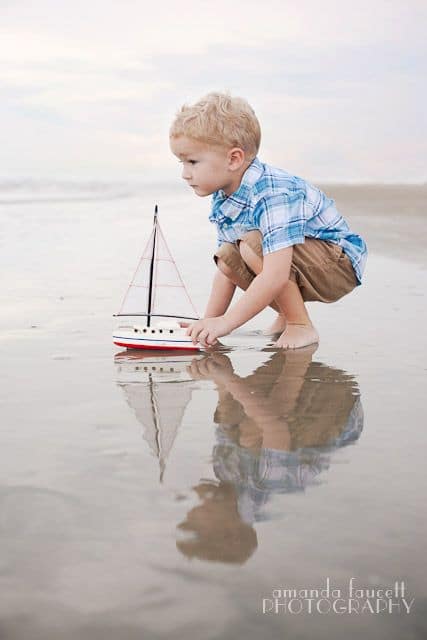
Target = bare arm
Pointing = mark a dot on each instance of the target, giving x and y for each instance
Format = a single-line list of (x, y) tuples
[(275, 428), (263, 410), (263, 289), (221, 295)]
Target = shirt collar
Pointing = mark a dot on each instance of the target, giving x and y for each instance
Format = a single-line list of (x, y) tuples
[(231, 206)]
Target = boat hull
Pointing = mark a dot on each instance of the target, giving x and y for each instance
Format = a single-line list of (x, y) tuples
[(130, 345), (153, 339)]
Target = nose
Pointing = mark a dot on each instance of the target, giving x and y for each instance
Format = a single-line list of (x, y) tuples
[(186, 173)]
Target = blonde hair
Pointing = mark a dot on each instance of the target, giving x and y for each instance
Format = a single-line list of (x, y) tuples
[(219, 119)]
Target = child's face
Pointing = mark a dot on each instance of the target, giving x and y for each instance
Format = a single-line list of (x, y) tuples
[(206, 169)]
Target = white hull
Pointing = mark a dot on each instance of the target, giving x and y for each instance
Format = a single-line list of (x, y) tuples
[(162, 336)]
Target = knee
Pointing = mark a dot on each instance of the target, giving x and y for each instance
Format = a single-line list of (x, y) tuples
[(250, 247), (225, 257), (223, 267)]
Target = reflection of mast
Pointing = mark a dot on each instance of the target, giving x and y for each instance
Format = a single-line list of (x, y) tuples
[(150, 286), (157, 425)]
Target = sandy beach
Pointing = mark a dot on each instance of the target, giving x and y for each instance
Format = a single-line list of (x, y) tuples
[(142, 495)]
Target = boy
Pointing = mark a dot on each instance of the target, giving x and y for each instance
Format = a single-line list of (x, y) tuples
[(280, 239)]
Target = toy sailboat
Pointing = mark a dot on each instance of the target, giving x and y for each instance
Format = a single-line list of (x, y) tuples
[(156, 289)]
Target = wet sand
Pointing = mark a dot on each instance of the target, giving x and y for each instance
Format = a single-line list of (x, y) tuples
[(149, 497)]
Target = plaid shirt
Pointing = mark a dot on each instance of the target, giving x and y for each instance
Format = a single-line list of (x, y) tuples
[(285, 209)]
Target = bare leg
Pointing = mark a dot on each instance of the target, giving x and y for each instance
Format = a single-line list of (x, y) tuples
[(278, 324), (299, 331)]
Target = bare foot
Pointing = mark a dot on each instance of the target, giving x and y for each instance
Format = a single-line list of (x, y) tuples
[(297, 335), (278, 325)]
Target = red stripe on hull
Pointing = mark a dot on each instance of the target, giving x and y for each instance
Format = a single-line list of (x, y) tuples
[(134, 346)]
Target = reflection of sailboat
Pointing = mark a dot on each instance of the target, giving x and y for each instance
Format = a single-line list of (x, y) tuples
[(146, 382), (155, 291)]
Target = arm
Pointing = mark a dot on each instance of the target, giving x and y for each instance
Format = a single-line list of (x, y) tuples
[(221, 295), (263, 289), (263, 410), (274, 427), (280, 219)]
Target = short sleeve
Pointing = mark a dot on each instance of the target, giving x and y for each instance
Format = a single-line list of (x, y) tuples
[(281, 221)]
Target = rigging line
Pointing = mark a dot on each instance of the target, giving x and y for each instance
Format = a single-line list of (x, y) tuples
[(136, 271), (177, 270)]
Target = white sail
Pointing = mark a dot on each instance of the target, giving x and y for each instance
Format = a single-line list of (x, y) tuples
[(167, 295)]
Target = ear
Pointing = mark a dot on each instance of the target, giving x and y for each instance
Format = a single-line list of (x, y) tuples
[(236, 158)]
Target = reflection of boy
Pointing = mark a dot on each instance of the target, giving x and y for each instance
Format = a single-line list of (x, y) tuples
[(280, 440), (220, 533), (280, 238)]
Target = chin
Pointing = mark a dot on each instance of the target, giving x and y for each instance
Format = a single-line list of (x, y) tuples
[(202, 192)]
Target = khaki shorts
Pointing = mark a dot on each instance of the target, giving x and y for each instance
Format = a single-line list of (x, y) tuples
[(321, 269)]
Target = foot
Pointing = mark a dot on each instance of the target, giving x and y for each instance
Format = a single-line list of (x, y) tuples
[(297, 335), (278, 325)]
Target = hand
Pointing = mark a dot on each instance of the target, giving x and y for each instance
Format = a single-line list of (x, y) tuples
[(214, 366), (207, 331)]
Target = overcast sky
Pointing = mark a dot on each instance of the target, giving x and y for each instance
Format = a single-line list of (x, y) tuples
[(88, 88)]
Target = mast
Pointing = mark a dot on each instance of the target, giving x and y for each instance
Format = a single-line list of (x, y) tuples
[(150, 287)]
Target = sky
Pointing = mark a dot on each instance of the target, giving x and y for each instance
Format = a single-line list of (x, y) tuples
[(88, 89)]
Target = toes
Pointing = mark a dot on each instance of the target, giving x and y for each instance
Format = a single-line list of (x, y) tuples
[(282, 345)]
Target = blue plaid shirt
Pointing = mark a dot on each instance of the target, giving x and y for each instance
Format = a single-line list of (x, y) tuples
[(285, 209)]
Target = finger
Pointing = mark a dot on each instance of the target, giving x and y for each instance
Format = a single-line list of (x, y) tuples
[(210, 366), (193, 330), (211, 339), (190, 326), (193, 369), (194, 334), (204, 368), (202, 336)]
